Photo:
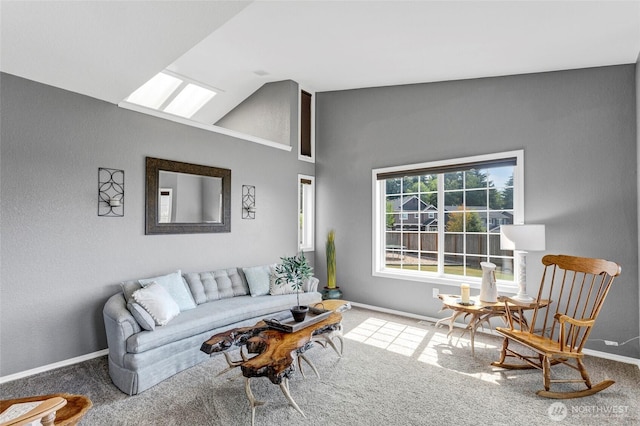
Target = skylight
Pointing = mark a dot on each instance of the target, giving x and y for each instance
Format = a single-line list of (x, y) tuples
[(189, 100), (155, 92), (172, 94)]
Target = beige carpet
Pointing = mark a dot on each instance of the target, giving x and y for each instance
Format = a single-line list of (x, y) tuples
[(395, 371)]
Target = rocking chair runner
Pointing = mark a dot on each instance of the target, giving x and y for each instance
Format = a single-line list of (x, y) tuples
[(576, 288)]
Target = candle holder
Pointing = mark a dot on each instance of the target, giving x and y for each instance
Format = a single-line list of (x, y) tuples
[(465, 295), (110, 192)]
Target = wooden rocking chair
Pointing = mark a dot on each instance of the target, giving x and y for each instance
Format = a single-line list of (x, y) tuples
[(575, 288)]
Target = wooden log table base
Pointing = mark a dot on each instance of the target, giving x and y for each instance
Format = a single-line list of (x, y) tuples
[(277, 350)]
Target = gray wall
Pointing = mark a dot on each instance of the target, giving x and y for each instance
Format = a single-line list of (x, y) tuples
[(578, 131), (638, 145), (270, 113), (60, 261)]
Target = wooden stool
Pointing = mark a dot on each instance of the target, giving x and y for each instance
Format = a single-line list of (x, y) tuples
[(70, 414)]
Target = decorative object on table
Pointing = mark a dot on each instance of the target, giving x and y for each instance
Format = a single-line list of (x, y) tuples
[(294, 270), (248, 202), (331, 290), (520, 239), (110, 192), (465, 295), (488, 288), (289, 325), (574, 289)]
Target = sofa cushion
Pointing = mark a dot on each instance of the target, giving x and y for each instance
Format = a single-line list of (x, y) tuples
[(177, 288), (258, 279), (158, 302), (143, 317), (209, 317), (215, 285)]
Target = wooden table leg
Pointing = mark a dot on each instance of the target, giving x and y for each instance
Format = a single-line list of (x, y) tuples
[(308, 361), (476, 321), (327, 338), (232, 364), (253, 402), (284, 386), (451, 319)]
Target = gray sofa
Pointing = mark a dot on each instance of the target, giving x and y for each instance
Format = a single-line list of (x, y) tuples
[(142, 355)]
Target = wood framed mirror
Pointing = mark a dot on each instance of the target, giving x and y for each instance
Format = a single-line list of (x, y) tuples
[(184, 198)]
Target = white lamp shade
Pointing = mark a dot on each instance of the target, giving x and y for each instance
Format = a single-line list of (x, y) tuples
[(522, 237)]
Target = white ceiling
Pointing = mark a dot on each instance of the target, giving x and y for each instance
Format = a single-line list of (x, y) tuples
[(107, 49)]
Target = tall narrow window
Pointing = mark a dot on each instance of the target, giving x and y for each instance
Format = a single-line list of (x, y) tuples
[(442, 219), (306, 147), (306, 212)]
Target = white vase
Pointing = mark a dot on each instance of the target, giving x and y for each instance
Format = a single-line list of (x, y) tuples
[(488, 289)]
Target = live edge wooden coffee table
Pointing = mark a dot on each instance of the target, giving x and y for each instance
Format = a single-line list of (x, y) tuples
[(278, 350)]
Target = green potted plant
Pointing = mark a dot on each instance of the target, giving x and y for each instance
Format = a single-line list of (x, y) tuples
[(294, 270), (331, 290)]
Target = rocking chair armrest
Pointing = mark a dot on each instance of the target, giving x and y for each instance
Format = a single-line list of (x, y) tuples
[(561, 318)]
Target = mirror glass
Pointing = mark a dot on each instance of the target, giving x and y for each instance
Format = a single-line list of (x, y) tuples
[(186, 198)]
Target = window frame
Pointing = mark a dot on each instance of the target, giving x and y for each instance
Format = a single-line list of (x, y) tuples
[(312, 123), (379, 220), (306, 213)]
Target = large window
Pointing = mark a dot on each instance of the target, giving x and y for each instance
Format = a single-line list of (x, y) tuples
[(441, 219), (306, 212)]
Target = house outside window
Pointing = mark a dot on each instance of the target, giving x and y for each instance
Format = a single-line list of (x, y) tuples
[(439, 220)]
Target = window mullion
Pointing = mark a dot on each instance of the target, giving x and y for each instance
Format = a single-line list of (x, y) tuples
[(441, 223)]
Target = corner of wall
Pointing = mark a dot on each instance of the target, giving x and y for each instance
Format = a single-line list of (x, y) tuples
[(638, 158)]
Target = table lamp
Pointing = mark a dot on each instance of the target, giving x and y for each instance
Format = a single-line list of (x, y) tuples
[(520, 239)]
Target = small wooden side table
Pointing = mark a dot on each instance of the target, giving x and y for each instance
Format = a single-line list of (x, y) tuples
[(70, 414), (479, 312)]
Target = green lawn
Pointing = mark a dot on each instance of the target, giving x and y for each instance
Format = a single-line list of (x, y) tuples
[(453, 270)]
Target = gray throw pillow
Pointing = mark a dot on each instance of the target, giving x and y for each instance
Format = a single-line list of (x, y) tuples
[(258, 279), (128, 288), (143, 317)]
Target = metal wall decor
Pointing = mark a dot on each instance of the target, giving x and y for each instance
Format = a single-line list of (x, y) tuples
[(248, 202), (110, 192)]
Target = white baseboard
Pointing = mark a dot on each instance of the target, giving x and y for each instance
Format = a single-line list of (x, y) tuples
[(53, 366), (590, 352), (71, 361)]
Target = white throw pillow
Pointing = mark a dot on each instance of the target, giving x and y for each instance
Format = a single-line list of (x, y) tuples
[(158, 302), (283, 288), (176, 287)]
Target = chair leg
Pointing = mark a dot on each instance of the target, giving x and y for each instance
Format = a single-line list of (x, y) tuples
[(503, 352), (591, 389), (583, 373), (546, 372)]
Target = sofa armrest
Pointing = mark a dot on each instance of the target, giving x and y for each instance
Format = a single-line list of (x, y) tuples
[(119, 324), (310, 285)]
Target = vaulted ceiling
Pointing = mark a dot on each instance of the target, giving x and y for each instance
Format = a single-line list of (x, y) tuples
[(107, 49)]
